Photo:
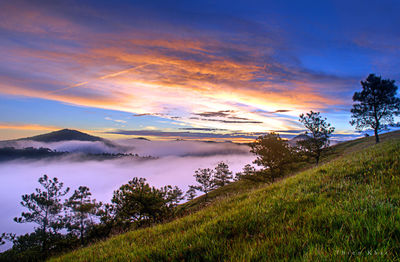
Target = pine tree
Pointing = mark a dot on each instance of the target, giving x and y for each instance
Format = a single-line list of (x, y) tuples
[(319, 130), (274, 154), (377, 104), (222, 175), (205, 178), (191, 193), (82, 212), (44, 209)]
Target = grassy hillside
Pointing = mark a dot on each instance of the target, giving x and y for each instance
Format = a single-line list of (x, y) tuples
[(346, 209), (330, 154)]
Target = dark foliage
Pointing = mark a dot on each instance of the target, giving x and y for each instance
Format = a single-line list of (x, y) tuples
[(376, 105), (319, 132), (210, 179), (205, 179), (11, 153), (139, 203), (222, 175), (274, 154), (133, 205), (44, 208), (248, 170), (191, 193), (30, 153), (82, 212)]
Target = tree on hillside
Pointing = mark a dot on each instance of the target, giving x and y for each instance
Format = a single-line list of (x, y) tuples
[(222, 175), (205, 178), (247, 171), (273, 153), (191, 193), (137, 202), (82, 211), (44, 208), (172, 196), (376, 105), (319, 131)]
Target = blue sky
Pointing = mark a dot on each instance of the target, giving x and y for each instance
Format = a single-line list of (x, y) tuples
[(213, 68)]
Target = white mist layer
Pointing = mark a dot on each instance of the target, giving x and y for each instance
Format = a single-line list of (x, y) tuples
[(137, 146), (174, 166)]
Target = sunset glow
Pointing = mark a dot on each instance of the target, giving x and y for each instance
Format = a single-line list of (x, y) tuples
[(118, 67)]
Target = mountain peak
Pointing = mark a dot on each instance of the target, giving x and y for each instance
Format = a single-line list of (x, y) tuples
[(64, 135)]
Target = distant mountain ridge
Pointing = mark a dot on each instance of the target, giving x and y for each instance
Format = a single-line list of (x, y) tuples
[(64, 135)]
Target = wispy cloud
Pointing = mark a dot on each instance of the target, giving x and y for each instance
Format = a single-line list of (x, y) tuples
[(115, 120), (225, 75)]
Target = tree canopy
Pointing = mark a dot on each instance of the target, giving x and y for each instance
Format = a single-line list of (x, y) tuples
[(81, 212), (273, 153), (376, 105), (223, 175), (320, 131), (205, 179)]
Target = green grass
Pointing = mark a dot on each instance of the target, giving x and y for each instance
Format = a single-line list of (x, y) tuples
[(346, 209), (244, 186)]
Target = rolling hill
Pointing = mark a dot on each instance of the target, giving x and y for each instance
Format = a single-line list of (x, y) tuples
[(38, 147), (347, 209), (64, 135)]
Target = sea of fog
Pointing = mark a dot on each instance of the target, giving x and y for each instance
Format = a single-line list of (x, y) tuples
[(175, 164)]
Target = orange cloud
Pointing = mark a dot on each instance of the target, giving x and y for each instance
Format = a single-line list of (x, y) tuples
[(10, 131), (144, 72), (27, 127)]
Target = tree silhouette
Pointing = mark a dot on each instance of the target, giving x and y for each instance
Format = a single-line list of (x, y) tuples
[(376, 105), (82, 211), (222, 174), (320, 131), (137, 202), (172, 196), (205, 178), (191, 193), (44, 208), (247, 171), (140, 203), (273, 153)]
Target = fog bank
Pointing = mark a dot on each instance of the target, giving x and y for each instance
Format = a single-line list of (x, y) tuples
[(175, 166), (137, 146)]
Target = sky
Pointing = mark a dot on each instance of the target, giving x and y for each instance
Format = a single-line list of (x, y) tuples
[(213, 70)]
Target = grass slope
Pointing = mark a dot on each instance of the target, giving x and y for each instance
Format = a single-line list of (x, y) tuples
[(346, 209), (243, 186)]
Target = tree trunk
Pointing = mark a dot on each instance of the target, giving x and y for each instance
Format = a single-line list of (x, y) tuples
[(376, 136), (44, 236), (81, 231), (317, 157), (44, 241)]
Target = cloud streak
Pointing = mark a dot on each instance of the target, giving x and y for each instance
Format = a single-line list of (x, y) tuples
[(165, 72), (225, 69)]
